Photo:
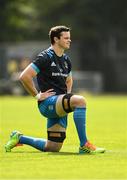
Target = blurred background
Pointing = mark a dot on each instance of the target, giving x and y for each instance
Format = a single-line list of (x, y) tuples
[(99, 41)]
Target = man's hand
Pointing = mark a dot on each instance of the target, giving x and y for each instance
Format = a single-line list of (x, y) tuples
[(42, 96)]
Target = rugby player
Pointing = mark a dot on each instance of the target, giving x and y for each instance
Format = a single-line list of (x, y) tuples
[(52, 68)]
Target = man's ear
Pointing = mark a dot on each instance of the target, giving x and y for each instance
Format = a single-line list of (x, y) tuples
[(56, 39)]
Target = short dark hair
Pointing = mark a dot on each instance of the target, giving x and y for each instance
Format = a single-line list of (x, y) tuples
[(56, 32)]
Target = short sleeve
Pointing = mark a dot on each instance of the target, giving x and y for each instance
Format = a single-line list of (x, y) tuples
[(40, 63)]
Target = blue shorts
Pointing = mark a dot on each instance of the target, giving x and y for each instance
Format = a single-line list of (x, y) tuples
[(48, 109)]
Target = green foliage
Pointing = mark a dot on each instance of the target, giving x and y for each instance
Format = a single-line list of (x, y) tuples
[(32, 19), (106, 126)]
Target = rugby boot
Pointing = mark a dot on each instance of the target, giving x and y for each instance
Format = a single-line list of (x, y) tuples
[(14, 141), (89, 148)]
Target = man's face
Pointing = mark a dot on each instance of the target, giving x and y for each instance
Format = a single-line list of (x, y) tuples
[(64, 41)]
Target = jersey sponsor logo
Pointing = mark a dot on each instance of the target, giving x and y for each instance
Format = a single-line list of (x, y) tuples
[(59, 74), (53, 64)]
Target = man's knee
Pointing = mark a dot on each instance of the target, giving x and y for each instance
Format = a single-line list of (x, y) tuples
[(55, 140), (53, 146), (78, 101)]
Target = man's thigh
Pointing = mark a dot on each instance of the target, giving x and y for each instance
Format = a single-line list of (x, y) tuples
[(59, 106), (52, 107)]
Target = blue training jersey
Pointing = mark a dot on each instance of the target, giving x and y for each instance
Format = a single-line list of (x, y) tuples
[(52, 71)]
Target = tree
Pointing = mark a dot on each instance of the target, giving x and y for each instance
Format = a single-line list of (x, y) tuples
[(15, 19)]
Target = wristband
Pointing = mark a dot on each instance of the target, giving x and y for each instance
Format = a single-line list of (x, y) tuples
[(37, 96)]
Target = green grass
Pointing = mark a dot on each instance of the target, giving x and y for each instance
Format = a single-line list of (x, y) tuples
[(106, 127)]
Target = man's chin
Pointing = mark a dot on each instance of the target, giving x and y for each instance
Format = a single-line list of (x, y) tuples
[(68, 47)]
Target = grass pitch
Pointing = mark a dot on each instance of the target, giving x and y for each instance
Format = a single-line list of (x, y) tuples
[(106, 127)]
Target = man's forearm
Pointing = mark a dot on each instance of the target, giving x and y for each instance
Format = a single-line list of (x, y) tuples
[(29, 86), (69, 84)]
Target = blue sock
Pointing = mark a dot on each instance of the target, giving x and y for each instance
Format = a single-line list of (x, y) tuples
[(80, 123), (37, 143)]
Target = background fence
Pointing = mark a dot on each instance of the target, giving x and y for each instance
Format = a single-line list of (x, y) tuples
[(110, 77)]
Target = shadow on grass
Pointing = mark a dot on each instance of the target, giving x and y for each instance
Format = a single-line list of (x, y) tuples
[(63, 153), (48, 153), (51, 153)]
